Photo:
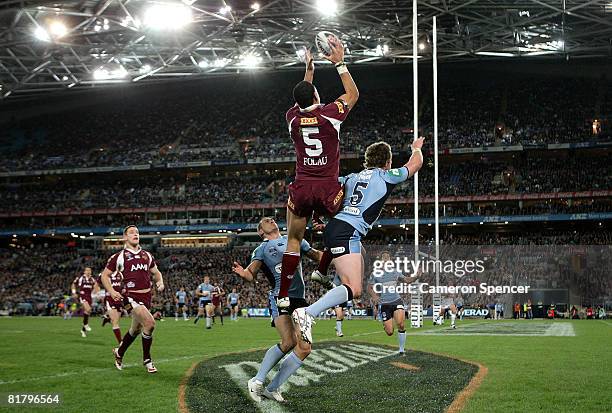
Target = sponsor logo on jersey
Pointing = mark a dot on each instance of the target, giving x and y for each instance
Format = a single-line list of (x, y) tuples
[(351, 210), (338, 250), (395, 172), (340, 106), (139, 267), (131, 284), (308, 121), (338, 197), (315, 161)]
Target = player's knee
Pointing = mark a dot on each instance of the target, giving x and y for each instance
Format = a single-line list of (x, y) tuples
[(287, 344), (401, 326), (389, 331)]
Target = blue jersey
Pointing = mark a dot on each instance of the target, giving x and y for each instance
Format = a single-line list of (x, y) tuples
[(366, 193), (386, 280), (233, 298), (270, 253), (181, 297), (206, 287)]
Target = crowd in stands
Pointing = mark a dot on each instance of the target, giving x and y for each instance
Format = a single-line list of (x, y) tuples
[(520, 176), (41, 275), (192, 124)]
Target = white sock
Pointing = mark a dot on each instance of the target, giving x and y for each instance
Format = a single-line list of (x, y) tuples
[(339, 326), (453, 316), (401, 336), (208, 321)]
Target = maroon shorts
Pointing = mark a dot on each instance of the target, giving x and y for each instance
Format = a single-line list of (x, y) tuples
[(132, 300), (110, 303), (322, 197), (85, 298)]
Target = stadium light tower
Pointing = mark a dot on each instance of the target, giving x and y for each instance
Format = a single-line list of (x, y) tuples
[(167, 16), (327, 7)]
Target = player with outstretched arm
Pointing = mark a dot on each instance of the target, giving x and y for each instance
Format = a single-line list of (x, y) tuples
[(367, 192), (315, 131)]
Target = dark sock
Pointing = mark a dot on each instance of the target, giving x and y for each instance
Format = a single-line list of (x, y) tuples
[(221, 315), (291, 260), (117, 332), (146, 346), (128, 339), (196, 320), (326, 260), (85, 319)]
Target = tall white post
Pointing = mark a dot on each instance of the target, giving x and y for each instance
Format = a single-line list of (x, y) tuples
[(415, 122), (437, 298)]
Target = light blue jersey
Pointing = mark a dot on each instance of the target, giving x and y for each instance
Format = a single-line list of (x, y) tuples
[(386, 280), (270, 253), (233, 298), (366, 193), (206, 287), (181, 296)]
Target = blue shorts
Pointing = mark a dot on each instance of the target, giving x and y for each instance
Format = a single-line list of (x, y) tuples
[(342, 238), (204, 303)]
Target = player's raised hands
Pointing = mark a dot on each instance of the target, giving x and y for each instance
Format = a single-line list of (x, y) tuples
[(337, 50), (418, 144), (308, 59), (160, 286)]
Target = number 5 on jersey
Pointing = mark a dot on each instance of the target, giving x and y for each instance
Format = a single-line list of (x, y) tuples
[(318, 150)]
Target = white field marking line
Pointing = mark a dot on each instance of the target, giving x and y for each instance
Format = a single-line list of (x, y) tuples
[(607, 322), (94, 370), (560, 329), (437, 330)]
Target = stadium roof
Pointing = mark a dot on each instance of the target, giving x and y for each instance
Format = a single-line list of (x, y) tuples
[(58, 45)]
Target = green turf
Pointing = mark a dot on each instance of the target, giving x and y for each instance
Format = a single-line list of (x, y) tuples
[(526, 373)]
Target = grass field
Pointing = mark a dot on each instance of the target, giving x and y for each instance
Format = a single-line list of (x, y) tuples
[(562, 366)]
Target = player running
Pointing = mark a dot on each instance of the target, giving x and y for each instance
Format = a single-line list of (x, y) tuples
[(180, 301), (267, 257), (448, 306), (85, 285), (391, 304), (315, 131), (217, 299), (137, 267), (233, 302), (204, 294), (114, 308), (367, 192)]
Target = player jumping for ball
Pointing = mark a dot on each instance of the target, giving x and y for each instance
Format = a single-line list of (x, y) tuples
[(367, 192), (137, 266), (315, 131), (267, 258), (85, 285)]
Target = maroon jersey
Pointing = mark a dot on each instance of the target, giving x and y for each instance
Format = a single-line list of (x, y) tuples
[(116, 280), (216, 297), (315, 132), (84, 286), (134, 266)]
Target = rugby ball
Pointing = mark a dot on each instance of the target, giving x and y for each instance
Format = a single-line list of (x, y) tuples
[(322, 42)]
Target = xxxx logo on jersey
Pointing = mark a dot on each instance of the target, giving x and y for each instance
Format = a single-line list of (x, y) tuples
[(337, 376)]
